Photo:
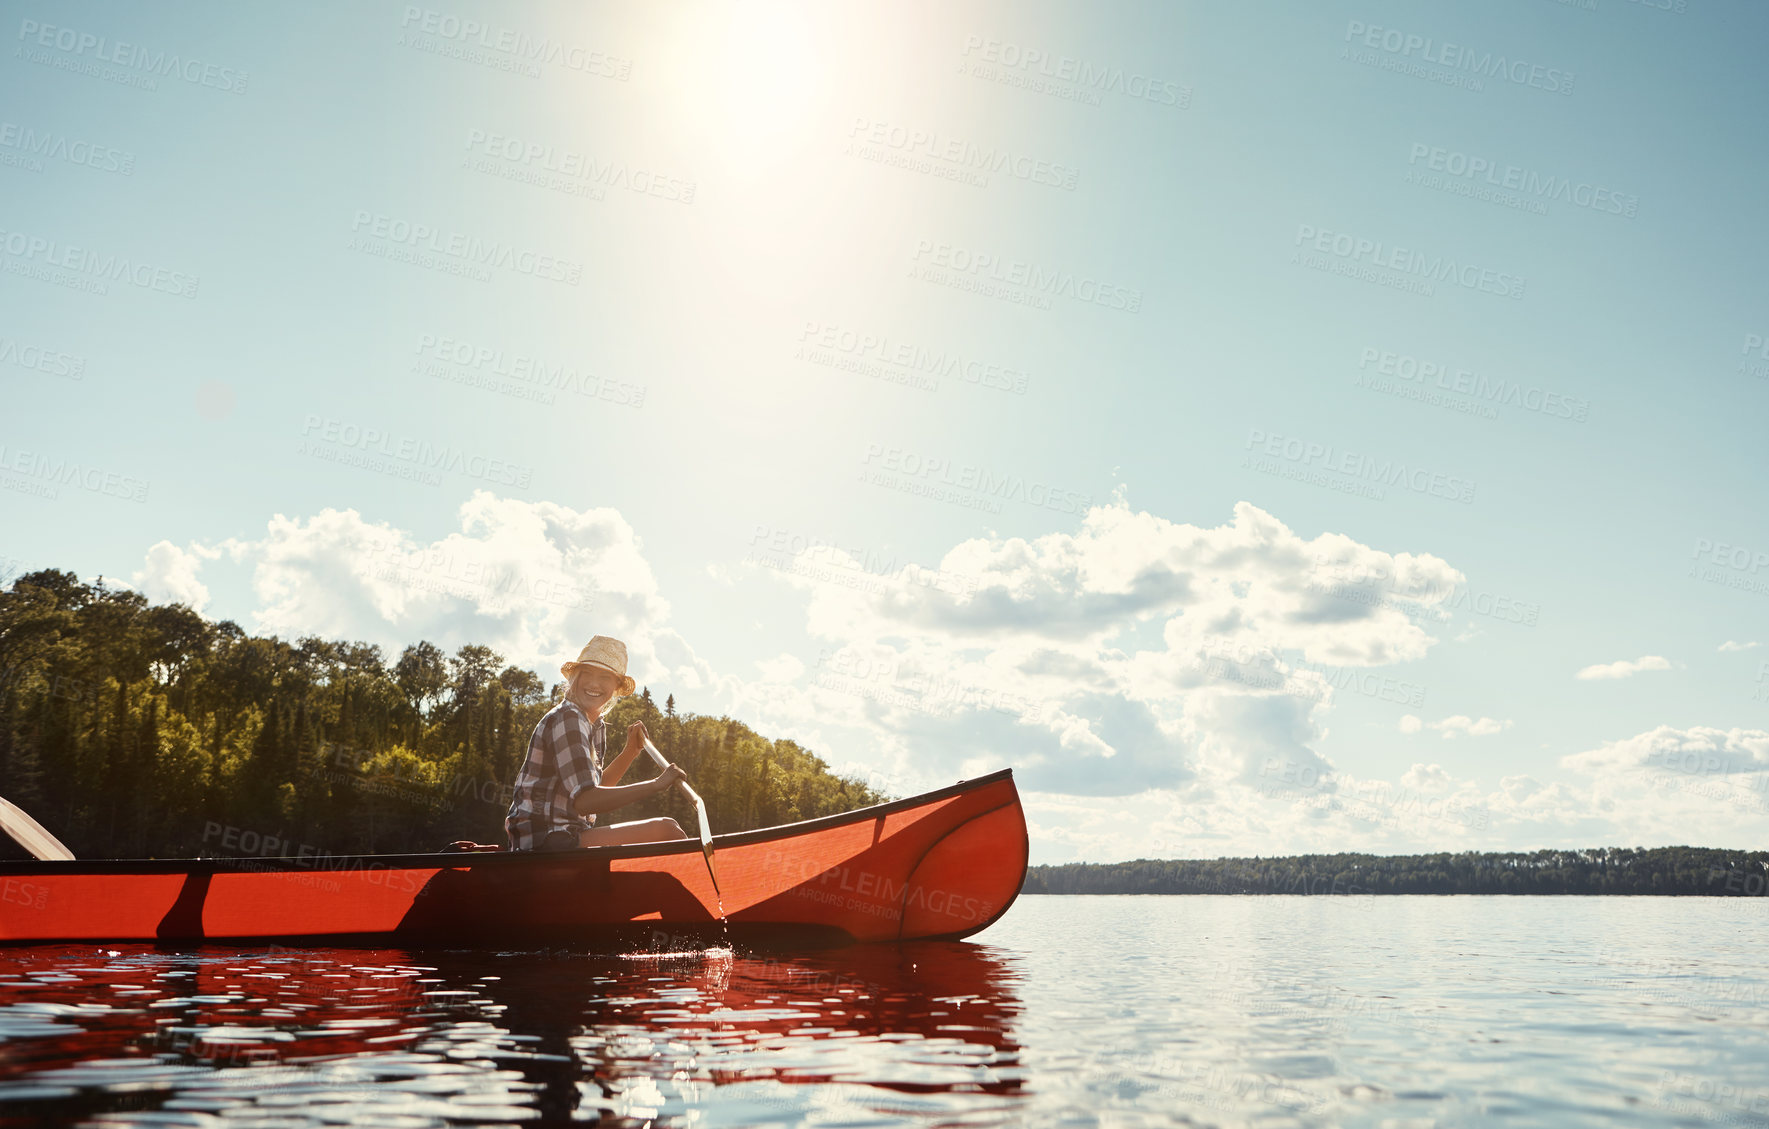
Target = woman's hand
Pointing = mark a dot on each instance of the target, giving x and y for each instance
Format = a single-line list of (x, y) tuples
[(636, 735), (669, 777)]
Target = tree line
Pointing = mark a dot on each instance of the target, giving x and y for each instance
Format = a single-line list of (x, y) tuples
[(1602, 870), (137, 730)]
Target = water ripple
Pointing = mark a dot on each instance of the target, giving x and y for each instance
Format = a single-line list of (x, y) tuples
[(1100, 1011)]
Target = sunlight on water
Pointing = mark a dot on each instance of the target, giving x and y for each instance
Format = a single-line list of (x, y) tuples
[(1075, 1011)]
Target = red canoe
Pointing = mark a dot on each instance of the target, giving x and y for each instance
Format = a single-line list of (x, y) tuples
[(940, 865)]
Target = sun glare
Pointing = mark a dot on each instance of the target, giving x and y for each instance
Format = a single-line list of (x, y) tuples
[(769, 70)]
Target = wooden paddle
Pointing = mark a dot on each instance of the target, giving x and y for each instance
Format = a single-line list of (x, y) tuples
[(706, 835), (30, 835)]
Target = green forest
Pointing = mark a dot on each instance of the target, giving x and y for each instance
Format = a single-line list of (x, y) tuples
[(1604, 870), (138, 730)]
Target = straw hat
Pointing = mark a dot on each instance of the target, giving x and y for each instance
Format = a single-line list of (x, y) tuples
[(608, 654)]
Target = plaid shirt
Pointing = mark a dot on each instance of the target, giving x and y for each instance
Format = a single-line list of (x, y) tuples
[(564, 758)]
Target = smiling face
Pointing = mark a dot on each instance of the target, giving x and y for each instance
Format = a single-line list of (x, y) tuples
[(594, 687)]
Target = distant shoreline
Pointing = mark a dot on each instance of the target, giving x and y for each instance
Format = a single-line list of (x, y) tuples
[(1661, 871)]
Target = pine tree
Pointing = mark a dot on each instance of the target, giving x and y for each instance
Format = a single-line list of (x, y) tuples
[(24, 776), (669, 706), (505, 764)]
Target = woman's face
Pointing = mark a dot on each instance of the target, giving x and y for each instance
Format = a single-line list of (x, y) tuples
[(595, 686)]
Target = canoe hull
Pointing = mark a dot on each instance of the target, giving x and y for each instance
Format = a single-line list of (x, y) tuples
[(941, 865)]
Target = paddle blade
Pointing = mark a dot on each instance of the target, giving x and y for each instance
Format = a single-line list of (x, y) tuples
[(30, 834), (706, 835), (706, 848)]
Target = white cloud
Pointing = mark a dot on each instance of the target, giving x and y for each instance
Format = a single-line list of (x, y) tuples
[(1520, 788), (1668, 785), (1460, 725), (169, 574), (531, 580), (1696, 751), (781, 668), (1428, 778), (1623, 668), (1151, 682), (1131, 653), (1730, 645)]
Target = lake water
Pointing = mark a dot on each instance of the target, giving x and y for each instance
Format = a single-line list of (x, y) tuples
[(1117, 1011)]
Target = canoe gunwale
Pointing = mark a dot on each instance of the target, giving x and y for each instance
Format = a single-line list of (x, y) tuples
[(429, 860)]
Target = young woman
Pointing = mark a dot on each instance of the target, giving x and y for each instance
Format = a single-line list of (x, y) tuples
[(563, 787)]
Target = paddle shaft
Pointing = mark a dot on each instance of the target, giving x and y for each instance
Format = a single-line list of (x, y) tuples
[(29, 834), (706, 835)]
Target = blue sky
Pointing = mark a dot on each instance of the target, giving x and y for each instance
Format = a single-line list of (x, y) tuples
[(1276, 407)]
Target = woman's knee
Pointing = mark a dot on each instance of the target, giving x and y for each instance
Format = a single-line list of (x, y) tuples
[(654, 830)]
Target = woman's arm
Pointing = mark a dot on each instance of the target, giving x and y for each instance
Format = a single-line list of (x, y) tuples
[(603, 797), (609, 793), (617, 768)]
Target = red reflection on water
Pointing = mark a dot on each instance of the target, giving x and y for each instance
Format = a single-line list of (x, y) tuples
[(917, 1018)]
